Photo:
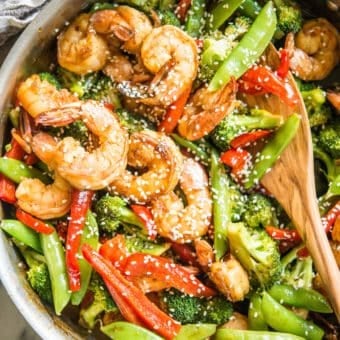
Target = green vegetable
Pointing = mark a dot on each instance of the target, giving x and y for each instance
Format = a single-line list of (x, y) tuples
[(168, 17), (194, 21), (255, 315), (329, 139), (236, 334), (297, 272), (250, 8), (217, 46), (133, 123), (137, 243), (260, 212), (99, 6), (112, 211), (300, 297), (190, 310), (143, 5), (236, 124), (166, 5), (198, 331), (14, 116), (89, 236), (21, 233), (222, 12), (283, 320), (126, 330), (315, 101), (55, 259), (37, 274), (52, 79), (102, 302), (272, 150), (219, 188), (249, 49), (289, 18), (257, 253), (193, 148), (17, 170)]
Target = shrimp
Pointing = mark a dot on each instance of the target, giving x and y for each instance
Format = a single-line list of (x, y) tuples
[(206, 109), (205, 253), (84, 169), (126, 23), (230, 278), (334, 98), (80, 49), (315, 50), (44, 201), (237, 321), (184, 224), (37, 96), (172, 56), (161, 162)]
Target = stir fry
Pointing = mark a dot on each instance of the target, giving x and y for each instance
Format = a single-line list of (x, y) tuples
[(132, 177)]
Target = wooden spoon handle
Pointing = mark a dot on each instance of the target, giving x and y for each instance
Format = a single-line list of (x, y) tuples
[(324, 260)]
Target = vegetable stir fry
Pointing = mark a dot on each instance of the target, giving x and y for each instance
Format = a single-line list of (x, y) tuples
[(132, 177)]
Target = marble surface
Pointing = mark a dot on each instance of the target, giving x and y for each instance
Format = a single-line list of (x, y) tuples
[(13, 326)]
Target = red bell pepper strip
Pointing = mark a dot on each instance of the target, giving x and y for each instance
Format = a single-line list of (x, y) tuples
[(174, 113), (329, 219), (283, 234), (80, 204), (182, 9), (263, 80), (31, 159), (8, 187), (33, 222), (237, 160), (245, 139), (125, 293), (163, 269), (283, 69), (185, 253), (146, 217), (115, 251)]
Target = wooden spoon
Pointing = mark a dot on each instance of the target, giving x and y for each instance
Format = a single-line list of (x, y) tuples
[(291, 182)]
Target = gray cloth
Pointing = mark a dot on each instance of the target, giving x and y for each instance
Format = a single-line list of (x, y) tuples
[(16, 15)]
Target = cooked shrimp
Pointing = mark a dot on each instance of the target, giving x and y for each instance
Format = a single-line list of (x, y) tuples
[(172, 56), (334, 99), (126, 23), (44, 201), (206, 109), (161, 162), (230, 278), (237, 321), (80, 49), (184, 224), (84, 169), (37, 96), (205, 253), (314, 51)]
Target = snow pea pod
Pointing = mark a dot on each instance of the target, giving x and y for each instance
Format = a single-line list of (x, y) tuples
[(90, 236), (166, 5), (273, 149), (250, 8), (249, 49), (198, 331), (236, 334), (300, 297), (222, 12), (22, 233), (16, 170), (55, 260), (220, 185), (195, 17), (283, 320), (255, 315)]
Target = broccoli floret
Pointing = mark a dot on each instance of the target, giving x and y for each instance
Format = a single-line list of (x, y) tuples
[(37, 274), (329, 139), (132, 123), (260, 212), (169, 18), (99, 6), (238, 203), (296, 271), (112, 211), (52, 79), (289, 18), (315, 101), (102, 302), (257, 252), (217, 46), (189, 309), (235, 124), (144, 5)]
